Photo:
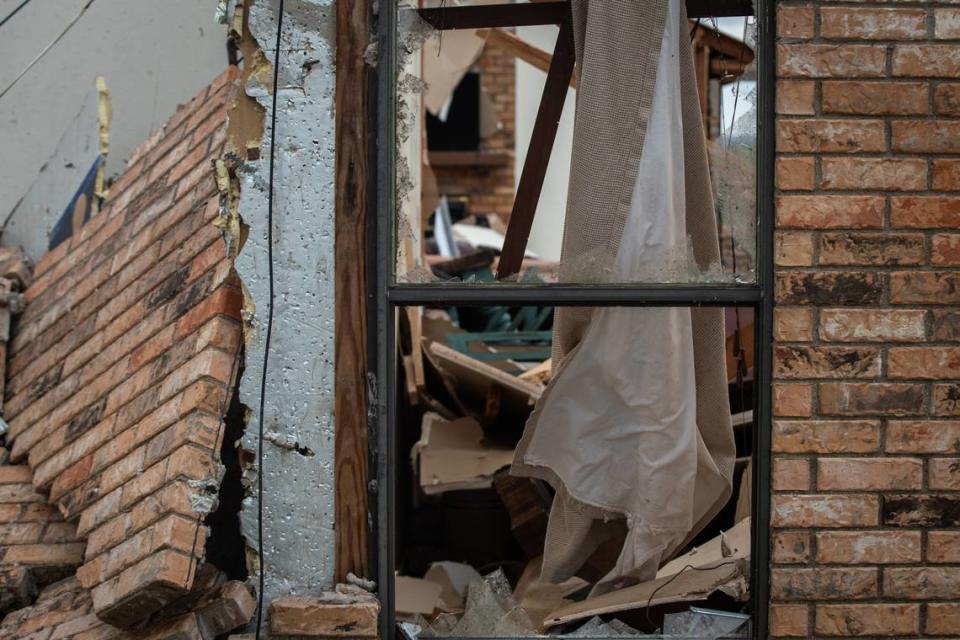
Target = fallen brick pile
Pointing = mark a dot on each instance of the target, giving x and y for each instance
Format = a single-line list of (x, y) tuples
[(120, 370)]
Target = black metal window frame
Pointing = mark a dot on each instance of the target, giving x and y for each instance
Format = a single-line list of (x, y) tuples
[(385, 297)]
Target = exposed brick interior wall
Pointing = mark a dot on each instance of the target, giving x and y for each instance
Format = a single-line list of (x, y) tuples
[(120, 370), (490, 189), (867, 361)]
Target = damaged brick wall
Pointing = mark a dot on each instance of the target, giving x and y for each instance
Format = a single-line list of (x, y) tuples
[(866, 468), (121, 368), (490, 188)]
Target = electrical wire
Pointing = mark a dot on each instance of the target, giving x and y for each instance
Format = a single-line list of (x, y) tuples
[(14, 12), (674, 577), (47, 48), (269, 332)]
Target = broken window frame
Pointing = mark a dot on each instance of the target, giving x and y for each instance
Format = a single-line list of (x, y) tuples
[(386, 297)]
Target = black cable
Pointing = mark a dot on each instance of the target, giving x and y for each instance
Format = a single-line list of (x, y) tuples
[(14, 12), (674, 577), (47, 48), (266, 342)]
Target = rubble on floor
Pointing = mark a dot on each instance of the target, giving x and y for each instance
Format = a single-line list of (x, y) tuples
[(472, 377)]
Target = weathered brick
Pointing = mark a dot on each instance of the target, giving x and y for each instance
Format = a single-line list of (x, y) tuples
[(867, 619), (796, 399), (871, 398), (826, 436), (793, 249), (923, 436), (927, 510), (884, 174), (943, 618), (843, 136), (946, 23), (825, 510), (874, 98), (793, 324), (943, 547), (830, 212), (925, 212), (789, 620), (791, 474), (310, 617), (925, 136), (826, 362), (868, 547), (871, 249), (932, 363), (795, 173), (872, 325), (926, 60), (945, 249), (142, 589), (844, 23), (791, 547), (830, 60), (946, 399), (865, 474), (925, 287), (823, 288), (824, 583), (944, 474), (946, 99), (796, 97), (921, 583), (795, 21)]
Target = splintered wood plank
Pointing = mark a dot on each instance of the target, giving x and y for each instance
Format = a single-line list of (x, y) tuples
[(350, 253)]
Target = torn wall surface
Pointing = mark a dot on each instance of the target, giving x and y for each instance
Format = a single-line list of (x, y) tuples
[(298, 413)]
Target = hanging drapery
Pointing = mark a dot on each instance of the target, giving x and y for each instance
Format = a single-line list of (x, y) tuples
[(634, 430)]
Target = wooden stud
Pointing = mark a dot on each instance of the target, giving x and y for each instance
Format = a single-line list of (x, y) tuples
[(350, 254)]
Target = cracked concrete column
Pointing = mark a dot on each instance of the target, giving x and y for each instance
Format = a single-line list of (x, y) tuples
[(298, 414)]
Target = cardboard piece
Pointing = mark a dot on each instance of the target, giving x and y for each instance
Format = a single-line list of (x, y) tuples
[(452, 455), (688, 586), (446, 58), (483, 237), (453, 578), (745, 497), (415, 596), (479, 377), (722, 564), (729, 545)]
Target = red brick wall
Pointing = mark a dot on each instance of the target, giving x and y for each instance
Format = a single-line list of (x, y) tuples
[(867, 362), (490, 189), (119, 369)]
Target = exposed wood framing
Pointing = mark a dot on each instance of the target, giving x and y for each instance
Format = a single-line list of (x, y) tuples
[(535, 165), (350, 254)]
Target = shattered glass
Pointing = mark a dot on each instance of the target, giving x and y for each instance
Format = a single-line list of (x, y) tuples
[(731, 151), (707, 624)]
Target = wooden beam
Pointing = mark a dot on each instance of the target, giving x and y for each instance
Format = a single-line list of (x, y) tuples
[(541, 12), (495, 15), (350, 316), (522, 50), (538, 153)]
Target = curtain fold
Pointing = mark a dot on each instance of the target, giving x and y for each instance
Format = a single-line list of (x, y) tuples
[(634, 428)]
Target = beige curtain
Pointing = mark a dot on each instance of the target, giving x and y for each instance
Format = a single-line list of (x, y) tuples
[(618, 45)]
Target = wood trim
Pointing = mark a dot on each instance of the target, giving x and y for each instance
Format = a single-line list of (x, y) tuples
[(351, 451)]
